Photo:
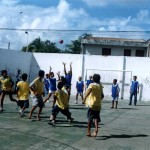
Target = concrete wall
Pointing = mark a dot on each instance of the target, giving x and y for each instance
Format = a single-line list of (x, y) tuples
[(108, 67), (12, 60), (115, 51)]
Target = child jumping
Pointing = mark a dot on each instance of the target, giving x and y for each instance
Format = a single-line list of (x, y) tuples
[(62, 105), (37, 91), (93, 98), (80, 88), (115, 93), (52, 85), (6, 88), (68, 76), (23, 94)]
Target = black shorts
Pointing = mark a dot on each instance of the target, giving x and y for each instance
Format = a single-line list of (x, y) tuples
[(57, 109), (23, 103), (93, 114)]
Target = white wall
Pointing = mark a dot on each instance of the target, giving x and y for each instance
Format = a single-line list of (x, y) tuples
[(44, 61), (12, 60), (32, 63), (115, 51)]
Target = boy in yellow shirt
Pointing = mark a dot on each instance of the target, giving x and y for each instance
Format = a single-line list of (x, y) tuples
[(93, 97), (62, 104), (23, 94), (6, 88), (37, 90)]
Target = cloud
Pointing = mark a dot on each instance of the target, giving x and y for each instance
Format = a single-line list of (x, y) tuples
[(9, 2), (103, 3), (59, 21)]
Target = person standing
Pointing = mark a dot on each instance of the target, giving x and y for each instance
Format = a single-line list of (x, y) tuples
[(134, 90)]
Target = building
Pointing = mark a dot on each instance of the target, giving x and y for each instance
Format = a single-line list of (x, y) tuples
[(115, 47)]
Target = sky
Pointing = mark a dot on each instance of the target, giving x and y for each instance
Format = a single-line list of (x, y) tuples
[(68, 19)]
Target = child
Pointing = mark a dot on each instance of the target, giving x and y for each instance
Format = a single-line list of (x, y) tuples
[(46, 84), (36, 88), (23, 94), (115, 93), (52, 85), (61, 100), (88, 82), (80, 88), (6, 87), (93, 97), (134, 90), (68, 77)]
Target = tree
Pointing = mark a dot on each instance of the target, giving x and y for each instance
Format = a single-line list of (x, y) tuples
[(38, 45), (75, 46)]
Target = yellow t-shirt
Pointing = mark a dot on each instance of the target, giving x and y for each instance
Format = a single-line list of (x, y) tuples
[(61, 99), (94, 99), (6, 83), (38, 86), (23, 90)]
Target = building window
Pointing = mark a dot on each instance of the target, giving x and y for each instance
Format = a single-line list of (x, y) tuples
[(127, 52), (106, 51), (139, 53)]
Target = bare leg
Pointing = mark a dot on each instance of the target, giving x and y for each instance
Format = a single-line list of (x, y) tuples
[(96, 127), (116, 104), (2, 99), (32, 110), (81, 96), (48, 97), (12, 99), (112, 104), (76, 98), (89, 128), (39, 112)]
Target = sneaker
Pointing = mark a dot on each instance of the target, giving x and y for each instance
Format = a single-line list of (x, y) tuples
[(70, 120), (1, 109), (21, 112), (48, 101), (76, 102), (51, 122)]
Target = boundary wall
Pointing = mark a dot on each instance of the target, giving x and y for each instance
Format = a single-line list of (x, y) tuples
[(31, 63)]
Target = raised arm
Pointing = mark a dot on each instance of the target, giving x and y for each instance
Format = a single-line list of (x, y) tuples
[(64, 68), (58, 74), (71, 68), (50, 70)]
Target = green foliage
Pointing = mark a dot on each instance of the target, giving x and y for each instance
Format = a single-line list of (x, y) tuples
[(38, 45), (75, 46)]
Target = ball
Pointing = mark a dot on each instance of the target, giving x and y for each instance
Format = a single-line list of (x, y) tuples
[(61, 41)]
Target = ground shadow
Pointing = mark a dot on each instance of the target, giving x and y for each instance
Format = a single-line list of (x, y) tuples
[(121, 136), (142, 105), (128, 108)]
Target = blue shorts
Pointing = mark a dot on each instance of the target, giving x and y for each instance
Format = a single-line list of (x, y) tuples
[(23, 103), (80, 92), (57, 109), (93, 114)]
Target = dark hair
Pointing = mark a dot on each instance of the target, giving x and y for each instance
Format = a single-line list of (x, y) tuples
[(41, 73), (60, 85), (135, 77), (115, 80), (4, 71), (24, 76), (63, 80), (96, 78)]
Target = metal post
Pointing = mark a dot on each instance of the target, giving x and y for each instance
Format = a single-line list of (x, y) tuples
[(27, 41)]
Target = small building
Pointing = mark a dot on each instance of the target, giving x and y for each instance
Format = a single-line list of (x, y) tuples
[(115, 47)]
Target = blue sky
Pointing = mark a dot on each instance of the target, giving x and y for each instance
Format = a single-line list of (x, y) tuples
[(98, 17)]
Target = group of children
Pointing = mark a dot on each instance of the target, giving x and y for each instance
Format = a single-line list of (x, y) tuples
[(93, 95)]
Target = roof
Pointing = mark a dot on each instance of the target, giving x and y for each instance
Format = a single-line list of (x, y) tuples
[(115, 41)]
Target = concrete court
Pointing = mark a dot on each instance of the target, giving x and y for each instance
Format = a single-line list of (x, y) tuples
[(126, 128)]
